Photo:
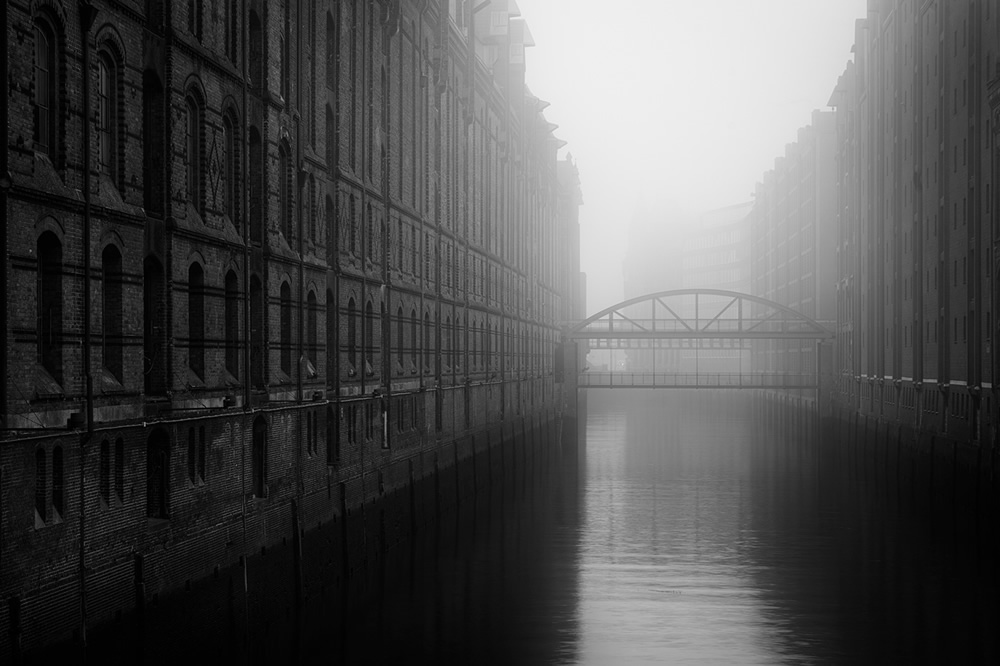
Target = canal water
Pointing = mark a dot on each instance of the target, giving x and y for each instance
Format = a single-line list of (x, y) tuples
[(689, 529), (698, 531)]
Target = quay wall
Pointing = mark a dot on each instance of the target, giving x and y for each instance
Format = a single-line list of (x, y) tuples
[(319, 526), (950, 468)]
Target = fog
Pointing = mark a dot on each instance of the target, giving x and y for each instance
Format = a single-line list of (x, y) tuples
[(677, 106)]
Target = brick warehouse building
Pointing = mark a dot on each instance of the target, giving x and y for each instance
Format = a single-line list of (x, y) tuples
[(265, 262), (917, 120), (793, 232)]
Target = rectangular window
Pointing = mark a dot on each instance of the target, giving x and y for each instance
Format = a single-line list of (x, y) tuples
[(120, 469), (41, 489), (104, 483), (57, 483)]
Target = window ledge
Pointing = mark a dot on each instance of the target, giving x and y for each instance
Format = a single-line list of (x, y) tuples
[(193, 380), (46, 387), (109, 383), (157, 524)]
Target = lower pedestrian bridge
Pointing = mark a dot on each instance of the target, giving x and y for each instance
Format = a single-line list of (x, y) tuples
[(701, 338)]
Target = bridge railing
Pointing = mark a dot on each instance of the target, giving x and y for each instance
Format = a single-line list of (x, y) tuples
[(747, 380), (636, 325)]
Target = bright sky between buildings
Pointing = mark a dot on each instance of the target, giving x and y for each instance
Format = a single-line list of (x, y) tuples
[(679, 104)]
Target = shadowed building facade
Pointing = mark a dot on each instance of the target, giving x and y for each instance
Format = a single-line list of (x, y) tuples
[(264, 263), (793, 241), (917, 253)]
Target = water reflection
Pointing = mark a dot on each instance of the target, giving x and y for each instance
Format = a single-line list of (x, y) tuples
[(693, 531), (715, 536)]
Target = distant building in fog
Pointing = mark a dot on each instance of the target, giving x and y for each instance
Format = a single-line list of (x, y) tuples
[(707, 251), (794, 237), (717, 256), (716, 252)]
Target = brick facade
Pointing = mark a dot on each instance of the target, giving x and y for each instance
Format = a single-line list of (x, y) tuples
[(917, 248), (300, 246)]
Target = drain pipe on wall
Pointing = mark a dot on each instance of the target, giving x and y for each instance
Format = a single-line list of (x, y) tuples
[(5, 183), (88, 14)]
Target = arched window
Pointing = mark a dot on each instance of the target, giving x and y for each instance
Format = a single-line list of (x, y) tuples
[(231, 177), (370, 253), (312, 327), (332, 437), (285, 192), (352, 227), (232, 324), (307, 207), (232, 20), (331, 53), (331, 231), (112, 309), (331, 138), (352, 334), (153, 128), (257, 199), (196, 320), (286, 328), (400, 346), (257, 333), (414, 349), (153, 328), (369, 326), (46, 100), (193, 152), (258, 458), (428, 341), (107, 115), (195, 17), (331, 339), (158, 474), (285, 77), (49, 297), (256, 53)]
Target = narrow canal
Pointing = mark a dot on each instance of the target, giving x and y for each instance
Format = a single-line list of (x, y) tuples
[(699, 532), (688, 530)]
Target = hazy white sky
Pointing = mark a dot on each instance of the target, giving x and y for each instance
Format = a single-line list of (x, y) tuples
[(686, 102)]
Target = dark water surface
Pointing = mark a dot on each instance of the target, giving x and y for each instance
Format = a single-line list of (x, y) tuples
[(698, 533), (692, 532)]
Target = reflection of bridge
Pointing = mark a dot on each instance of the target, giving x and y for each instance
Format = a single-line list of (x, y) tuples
[(700, 320)]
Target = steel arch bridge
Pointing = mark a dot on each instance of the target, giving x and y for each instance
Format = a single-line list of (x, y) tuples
[(697, 320)]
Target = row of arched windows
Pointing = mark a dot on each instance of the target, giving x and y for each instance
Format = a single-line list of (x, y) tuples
[(49, 101), (197, 322), (50, 315), (113, 471), (478, 341)]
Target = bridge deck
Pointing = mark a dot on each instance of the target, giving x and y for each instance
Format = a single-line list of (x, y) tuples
[(697, 380)]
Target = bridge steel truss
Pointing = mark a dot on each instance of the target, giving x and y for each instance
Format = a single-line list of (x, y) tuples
[(698, 319)]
